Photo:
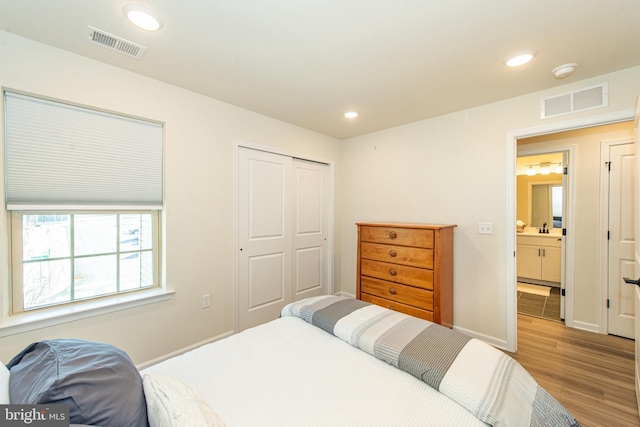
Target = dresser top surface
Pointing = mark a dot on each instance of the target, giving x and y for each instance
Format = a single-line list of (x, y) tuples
[(406, 225)]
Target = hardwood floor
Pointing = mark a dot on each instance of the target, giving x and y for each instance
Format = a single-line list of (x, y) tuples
[(591, 374)]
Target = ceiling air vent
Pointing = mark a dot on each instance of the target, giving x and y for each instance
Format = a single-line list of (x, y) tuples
[(109, 41), (578, 100)]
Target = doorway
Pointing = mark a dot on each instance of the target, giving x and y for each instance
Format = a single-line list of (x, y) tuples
[(583, 242), (541, 208)]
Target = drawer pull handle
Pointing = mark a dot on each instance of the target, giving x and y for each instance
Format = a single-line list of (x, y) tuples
[(393, 253), (392, 291), (392, 272), (393, 235)]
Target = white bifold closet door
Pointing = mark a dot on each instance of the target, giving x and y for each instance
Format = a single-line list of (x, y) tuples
[(282, 233)]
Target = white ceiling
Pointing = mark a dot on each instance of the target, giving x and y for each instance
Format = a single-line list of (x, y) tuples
[(307, 62)]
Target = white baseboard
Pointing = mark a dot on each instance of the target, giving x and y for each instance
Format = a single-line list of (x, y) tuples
[(498, 343), (591, 327), (157, 360), (346, 295)]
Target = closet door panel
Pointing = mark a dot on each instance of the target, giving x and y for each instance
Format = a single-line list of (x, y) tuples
[(264, 219), (310, 224)]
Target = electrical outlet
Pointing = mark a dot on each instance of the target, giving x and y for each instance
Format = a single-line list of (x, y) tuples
[(206, 300), (485, 228)]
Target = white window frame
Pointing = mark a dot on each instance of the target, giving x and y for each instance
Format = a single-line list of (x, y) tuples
[(18, 322), (17, 261)]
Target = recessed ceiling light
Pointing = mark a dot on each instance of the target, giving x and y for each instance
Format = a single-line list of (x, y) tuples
[(351, 114), (520, 58), (142, 17)]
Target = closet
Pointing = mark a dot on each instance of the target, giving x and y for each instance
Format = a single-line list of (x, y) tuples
[(283, 220)]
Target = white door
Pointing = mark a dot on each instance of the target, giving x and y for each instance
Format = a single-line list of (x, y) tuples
[(621, 240), (310, 229), (264, 236), (637, 254)]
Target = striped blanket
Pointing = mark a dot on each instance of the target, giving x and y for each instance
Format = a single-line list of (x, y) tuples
[(490, 384)]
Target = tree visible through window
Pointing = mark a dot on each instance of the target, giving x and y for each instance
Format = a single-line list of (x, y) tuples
[(75, 256)]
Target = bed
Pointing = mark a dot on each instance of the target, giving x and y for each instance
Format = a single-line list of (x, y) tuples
[(333, 361)]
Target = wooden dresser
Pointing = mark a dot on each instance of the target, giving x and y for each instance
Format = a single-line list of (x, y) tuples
[(407, 268)]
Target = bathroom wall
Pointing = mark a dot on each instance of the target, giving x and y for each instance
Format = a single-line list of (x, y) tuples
[(522, 189)]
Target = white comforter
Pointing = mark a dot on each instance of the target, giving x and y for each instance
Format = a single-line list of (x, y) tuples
[(289, 373)]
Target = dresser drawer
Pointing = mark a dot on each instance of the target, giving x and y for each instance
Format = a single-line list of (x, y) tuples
[(413, 276), (398, 236), (402, 308), (396, 292), (416, 257)]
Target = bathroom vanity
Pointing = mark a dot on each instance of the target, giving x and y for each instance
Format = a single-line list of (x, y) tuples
[(540, 258)]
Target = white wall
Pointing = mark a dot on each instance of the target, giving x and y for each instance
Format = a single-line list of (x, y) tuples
[(453, 169), (199, 136)]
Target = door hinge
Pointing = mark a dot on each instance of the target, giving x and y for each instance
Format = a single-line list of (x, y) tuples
[(563, 292), (564, 231), (607, 303), (608, 166), (608, 235), (565, 170)]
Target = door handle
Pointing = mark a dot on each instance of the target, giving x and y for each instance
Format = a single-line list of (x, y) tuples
[(631, 281)]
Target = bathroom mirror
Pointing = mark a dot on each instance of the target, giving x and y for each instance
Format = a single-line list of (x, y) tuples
[(546, 205)]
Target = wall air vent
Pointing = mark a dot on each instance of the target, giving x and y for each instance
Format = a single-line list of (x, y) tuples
[(109, 41), (573, 102)]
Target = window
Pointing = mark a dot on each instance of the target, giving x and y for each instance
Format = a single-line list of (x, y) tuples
[(65, 257), (84, 188)]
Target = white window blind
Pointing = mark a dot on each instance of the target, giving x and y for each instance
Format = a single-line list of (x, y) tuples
[(59, 156)]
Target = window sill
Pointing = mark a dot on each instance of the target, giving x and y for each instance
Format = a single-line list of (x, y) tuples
[(44, 318)]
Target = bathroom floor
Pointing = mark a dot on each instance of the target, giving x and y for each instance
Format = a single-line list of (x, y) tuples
[(540, 306)]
